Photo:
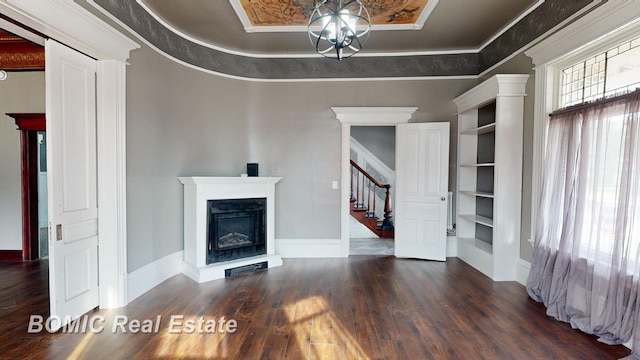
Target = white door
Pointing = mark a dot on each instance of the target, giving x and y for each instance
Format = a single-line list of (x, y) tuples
[(72, 181), (422, 161)]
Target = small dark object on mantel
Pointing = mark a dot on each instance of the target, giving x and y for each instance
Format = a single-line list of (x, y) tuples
[(252, 169)]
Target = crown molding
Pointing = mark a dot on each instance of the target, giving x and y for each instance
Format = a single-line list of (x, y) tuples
[(610, 18), (500, 85), (71, 24), (373, 115)]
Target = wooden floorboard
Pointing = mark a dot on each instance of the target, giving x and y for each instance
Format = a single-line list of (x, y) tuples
[(363, 307)]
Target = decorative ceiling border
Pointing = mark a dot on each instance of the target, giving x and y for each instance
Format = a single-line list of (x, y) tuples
[(544, 19)]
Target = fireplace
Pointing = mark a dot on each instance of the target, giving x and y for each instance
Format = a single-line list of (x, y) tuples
[(236, 229), (238, 213)]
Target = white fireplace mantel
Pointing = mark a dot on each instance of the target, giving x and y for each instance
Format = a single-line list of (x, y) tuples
[(197, 191)]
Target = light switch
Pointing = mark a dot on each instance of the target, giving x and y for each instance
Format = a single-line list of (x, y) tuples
[(334, 185)]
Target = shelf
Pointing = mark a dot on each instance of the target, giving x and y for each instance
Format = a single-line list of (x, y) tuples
[(478, 194), (480, 130), (479, 219), (479, 244), (479, 165), (490, 152)]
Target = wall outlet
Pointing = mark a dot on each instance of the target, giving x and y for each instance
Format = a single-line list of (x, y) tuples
[(334, 185)]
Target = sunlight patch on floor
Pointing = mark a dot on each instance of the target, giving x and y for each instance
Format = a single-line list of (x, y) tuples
[(199, 343), (81, 347), (319, 333)]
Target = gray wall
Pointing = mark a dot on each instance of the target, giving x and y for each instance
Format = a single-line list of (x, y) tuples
[(20, 92), (183, 122), (380, 140)]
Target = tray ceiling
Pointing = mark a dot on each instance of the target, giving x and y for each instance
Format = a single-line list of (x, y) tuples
[(272, 27), (459, 38)]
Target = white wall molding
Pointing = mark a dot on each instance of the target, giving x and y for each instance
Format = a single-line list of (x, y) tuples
[(151, 275), (363, 116), (22, 32), (71, 24), (111, 125), (522, 271), (309, 248), (501, 85)]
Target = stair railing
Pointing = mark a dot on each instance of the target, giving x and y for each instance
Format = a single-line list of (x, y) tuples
[(364, 188)]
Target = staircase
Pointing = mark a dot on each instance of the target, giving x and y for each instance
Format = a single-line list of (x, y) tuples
[(366, 202)]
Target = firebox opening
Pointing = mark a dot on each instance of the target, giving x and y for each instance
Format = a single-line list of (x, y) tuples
[(236, 229)]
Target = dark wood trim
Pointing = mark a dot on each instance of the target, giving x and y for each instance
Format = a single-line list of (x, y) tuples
[(17, 53), (29, 124), (29, 121), (10, 255), (368, 176)]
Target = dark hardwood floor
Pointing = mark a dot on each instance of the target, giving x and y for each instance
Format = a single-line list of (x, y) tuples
[(363, 307)]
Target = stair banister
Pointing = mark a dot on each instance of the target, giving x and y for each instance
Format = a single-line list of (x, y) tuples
[(359, 199)]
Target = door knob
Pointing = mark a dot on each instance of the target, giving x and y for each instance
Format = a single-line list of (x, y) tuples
[(443, 198)]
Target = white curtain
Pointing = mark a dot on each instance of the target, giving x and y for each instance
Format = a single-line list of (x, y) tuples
[(586, 265)]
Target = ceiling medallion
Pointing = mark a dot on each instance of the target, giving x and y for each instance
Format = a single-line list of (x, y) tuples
[(337, 30)]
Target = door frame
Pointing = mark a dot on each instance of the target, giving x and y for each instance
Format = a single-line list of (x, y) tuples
[(29, 124), (360, 116), (76, 27)]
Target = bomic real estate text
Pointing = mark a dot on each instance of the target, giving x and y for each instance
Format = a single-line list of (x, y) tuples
[(178, 324)]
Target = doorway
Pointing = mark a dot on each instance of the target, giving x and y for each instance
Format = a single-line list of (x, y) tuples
[(422, 156), (43, 206), (353, 117), (69, 23), (33, 174), (372, 148)]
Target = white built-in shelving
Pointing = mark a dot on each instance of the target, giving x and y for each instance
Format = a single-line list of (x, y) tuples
[(489, 190), (485, 129)]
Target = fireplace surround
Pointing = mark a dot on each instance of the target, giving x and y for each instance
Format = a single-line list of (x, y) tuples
[(251, 221)]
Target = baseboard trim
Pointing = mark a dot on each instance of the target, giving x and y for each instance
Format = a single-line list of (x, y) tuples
[(11, 255), (151, 275), (522, 271), (309, 248), (452, 246)]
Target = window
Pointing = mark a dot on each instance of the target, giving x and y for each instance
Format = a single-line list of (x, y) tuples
[(585, 260), (605, 74)]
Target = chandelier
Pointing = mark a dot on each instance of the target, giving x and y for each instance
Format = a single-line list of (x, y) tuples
[(338, 30)]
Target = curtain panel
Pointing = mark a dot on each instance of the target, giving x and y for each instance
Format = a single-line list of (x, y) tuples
[(585, 267)]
